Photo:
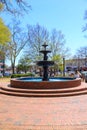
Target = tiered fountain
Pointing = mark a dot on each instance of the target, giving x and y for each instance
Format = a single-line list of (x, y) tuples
[(44, 82), (43, 86), (45, 63)]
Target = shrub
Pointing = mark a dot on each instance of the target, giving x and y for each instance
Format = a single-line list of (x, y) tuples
[(22, 75)]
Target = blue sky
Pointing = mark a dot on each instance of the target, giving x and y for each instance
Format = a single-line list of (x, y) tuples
[(64, 15)]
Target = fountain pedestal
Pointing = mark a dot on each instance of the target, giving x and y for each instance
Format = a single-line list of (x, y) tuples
[(45, 73)]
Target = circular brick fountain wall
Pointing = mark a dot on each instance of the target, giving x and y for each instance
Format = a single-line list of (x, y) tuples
[(23, 84)]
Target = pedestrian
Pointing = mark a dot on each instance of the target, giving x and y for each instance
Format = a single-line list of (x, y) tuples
[(77, 74)]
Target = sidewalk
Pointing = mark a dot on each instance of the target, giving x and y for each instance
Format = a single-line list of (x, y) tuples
[(57, 113), (62, 113)]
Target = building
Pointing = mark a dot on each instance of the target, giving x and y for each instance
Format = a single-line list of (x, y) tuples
[(80, 64)]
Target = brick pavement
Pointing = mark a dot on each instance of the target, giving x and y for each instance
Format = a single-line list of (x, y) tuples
[(43, 113), (58, 113)]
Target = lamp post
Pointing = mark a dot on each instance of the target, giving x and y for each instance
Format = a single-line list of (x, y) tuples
[(86, 60), (63, 66)]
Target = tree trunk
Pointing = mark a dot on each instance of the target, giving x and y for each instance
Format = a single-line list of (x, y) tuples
[(13, 69)]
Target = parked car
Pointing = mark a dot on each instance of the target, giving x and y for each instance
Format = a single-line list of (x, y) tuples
[(84, 73), (1, 75), (7, 74)]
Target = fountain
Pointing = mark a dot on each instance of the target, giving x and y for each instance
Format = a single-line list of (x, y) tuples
[(45, 63), (45, 82), (44, 86)]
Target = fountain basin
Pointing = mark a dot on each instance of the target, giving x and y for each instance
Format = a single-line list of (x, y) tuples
[(37, 83)]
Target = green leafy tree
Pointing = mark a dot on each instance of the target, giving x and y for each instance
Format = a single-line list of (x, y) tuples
[(58, 63), (5, 34), (23, 64), (1, 6), (5, 37), (57, 59)]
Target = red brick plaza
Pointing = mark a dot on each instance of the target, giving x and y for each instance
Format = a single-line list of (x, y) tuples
[(43, 113)]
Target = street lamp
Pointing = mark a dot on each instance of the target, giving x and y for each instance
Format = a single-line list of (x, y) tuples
[(86, 60), (63, 66)]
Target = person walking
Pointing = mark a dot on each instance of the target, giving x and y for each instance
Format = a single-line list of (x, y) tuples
[(77, 74)]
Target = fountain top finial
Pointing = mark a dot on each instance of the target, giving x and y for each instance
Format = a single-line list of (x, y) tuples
[(45, 45), (45, 51)]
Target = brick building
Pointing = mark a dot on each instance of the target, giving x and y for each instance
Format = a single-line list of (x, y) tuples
[(77, 63)]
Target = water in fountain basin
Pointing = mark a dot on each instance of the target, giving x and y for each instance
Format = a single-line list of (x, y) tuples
[(28, 79)]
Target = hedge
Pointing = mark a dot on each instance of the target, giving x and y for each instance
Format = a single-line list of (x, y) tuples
[(21, 75)]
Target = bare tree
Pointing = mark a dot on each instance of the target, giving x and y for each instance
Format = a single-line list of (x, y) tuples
[(58, 49), (81, 56), (19, 40), (57, 44), (84, 28), (15, 6), (37, 35), (82, 52)]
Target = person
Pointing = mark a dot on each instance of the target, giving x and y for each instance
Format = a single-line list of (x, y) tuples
[(71, 75), (77, 74)]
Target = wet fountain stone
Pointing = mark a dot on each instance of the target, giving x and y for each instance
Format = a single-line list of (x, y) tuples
[(45, 63)]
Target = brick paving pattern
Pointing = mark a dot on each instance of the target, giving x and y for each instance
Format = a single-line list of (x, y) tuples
[(58, 113)]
